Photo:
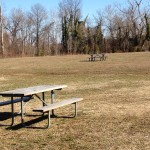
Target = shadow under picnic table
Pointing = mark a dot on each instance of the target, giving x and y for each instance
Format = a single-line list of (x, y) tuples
[(5, 116), (28, 124)]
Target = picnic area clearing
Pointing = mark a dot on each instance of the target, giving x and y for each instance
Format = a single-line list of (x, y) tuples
[(115, 112)]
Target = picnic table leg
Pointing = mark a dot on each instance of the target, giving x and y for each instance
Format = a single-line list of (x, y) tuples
[(49, 117), (43, 98), (91, 57), (12, 111), (22, 112), (75, 109), (52, 101)]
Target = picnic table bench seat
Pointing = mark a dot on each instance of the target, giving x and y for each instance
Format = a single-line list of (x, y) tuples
[(50, 107), (25, 99)]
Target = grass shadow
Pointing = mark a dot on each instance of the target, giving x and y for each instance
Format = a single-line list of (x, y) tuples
[(34, 121), (91, 61), (5, 116), (28, 124), (88, 61)]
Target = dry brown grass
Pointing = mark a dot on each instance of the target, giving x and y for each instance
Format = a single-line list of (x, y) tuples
[(115, 113)]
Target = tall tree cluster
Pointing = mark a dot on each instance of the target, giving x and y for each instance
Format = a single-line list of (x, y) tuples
[(38, 32), (128, 28)]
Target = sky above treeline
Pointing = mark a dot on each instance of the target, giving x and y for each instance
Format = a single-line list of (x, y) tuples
[(88, 7)]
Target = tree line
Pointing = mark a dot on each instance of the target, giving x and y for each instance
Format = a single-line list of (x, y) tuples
[(38, 32)]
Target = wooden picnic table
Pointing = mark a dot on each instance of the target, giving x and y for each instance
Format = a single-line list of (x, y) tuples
[(28, 93)]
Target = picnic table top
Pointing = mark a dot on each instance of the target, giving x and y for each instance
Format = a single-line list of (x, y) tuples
[(32, 90)]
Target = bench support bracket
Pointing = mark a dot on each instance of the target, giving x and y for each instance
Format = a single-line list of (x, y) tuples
[(49, 114), (49, 118)]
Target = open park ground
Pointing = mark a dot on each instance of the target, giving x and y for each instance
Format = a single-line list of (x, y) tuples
[(114, 115)]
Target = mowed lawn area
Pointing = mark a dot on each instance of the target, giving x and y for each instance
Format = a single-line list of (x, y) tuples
[(114, 115)]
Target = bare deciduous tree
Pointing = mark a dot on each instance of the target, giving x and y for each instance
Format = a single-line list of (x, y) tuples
[(13, 25), (38, 16), (1, 33)]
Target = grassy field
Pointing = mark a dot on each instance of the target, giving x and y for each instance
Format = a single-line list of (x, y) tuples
[(114, 115)]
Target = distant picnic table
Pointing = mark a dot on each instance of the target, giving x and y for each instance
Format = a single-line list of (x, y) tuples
[(101, 57)]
